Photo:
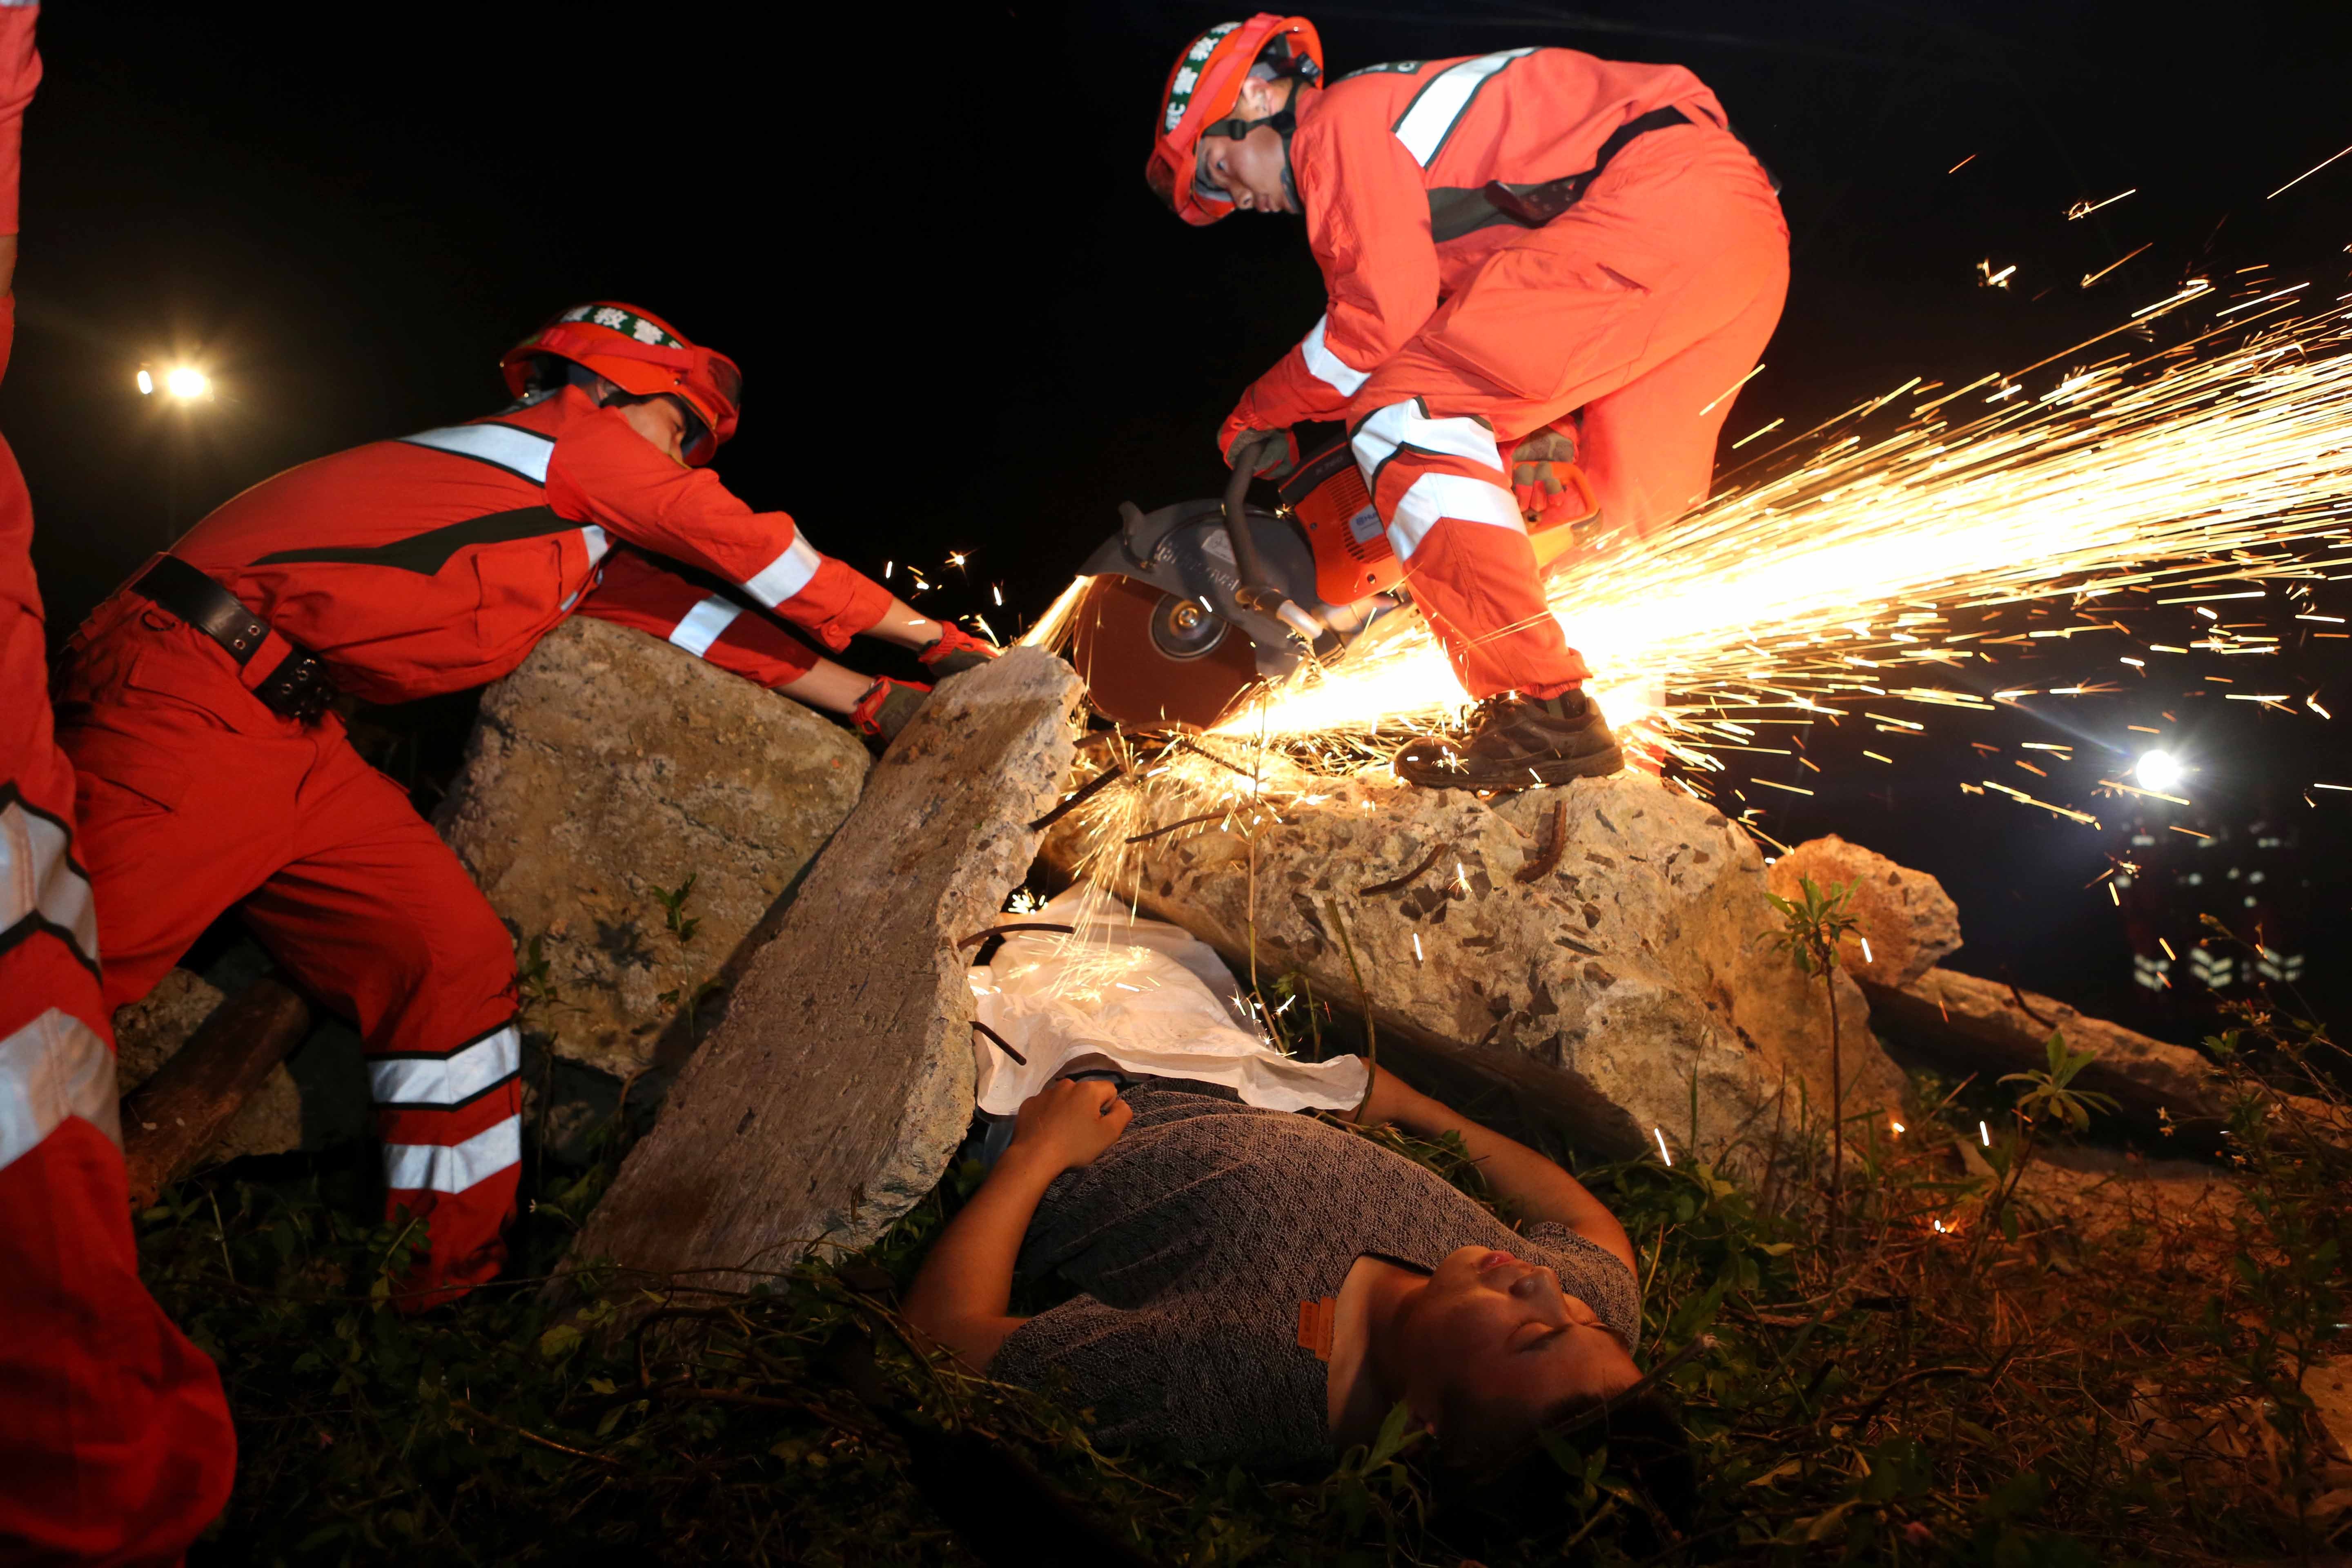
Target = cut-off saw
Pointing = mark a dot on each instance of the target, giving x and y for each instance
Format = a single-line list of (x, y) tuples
[(1189, 606)]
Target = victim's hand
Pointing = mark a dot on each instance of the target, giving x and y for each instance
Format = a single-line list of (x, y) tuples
[(1068, 1124)]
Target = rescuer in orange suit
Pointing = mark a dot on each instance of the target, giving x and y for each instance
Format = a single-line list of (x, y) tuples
[(115, 1442), (193, 704), (1514, 246)]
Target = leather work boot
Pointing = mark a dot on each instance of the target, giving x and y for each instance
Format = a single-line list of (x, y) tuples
[(1516, 742)]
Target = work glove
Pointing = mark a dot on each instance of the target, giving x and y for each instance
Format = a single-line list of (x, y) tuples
[(1276, 459), (888, 706), (1541, 479), (956, 651)]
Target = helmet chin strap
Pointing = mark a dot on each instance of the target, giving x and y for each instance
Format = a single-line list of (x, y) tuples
[(1283, 123)]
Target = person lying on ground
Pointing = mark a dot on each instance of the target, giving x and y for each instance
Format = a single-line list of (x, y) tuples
[(1266, 1286)]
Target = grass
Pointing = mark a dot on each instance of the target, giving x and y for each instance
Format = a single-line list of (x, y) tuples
[(1951, 1377)]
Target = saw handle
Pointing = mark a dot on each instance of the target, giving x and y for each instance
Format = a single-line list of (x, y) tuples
[(1256, 592), (1131, 525)]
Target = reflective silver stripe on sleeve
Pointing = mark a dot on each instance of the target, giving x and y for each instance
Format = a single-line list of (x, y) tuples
[(53, 1068), (453, 1168), (447, 1080), (701, 625), (37, 879), (1327, 367), (1457, 496), (598, 546), (522, 453), (788, 573), (1438, 109)]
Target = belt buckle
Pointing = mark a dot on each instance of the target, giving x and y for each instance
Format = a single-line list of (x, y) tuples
[(297, 688)]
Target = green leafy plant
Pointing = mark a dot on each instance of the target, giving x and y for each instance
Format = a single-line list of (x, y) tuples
[(1812, 925), (534, 986), (673, 902), (2048, 1096)]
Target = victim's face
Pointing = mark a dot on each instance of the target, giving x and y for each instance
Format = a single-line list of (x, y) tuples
[(1494, 1342)]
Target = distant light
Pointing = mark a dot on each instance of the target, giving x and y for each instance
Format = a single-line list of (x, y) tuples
[(187, 383), (1898, 1127), (2159, 770), (146, 383)]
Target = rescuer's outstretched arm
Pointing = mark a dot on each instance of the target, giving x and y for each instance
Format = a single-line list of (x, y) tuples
[(640, 592), (604, 472)]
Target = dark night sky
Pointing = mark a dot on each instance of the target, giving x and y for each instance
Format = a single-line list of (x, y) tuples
[(965, 324)]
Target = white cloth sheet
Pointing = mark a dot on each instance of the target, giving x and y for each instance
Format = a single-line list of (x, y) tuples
[(1143, 996)]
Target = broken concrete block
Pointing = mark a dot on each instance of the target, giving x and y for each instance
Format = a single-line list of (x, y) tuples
[(1604, 949), (610, 768), (1908, 923), (833, 1093)]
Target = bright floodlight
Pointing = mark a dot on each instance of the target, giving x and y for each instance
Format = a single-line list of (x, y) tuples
[(2159, 770), (146, 383), (186, 384)]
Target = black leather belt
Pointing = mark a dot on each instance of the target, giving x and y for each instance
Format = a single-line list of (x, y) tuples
[(1536, 206), (297, 688)]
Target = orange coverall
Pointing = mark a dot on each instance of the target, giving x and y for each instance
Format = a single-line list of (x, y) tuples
[(412, 567), (1455, 331), (115, 1443)]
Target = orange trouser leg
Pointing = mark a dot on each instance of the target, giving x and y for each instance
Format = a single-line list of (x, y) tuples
[(197, 798), (1662, 282), (378, 918), (115, 1442)]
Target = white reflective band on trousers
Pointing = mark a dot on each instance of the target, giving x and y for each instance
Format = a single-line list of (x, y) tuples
[(1405, 424), (1327, 367), (38, 880), (1433, 496), (433, 1168), (447, 1080), (701, 626), (1438, 109), (519, 452), (53, 1068), (788, 573)]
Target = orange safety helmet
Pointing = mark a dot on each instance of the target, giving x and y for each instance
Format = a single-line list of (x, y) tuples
[(1202, 91), (639, 353)]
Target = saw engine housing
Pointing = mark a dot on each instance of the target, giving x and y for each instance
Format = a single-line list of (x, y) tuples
[(1165, 633)]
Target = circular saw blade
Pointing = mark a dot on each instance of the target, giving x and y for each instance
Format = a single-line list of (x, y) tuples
[(1131, 680)]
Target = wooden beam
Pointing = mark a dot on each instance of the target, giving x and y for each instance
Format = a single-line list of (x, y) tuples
[(1970, 1025), (181, 1112), (830, 1099)]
